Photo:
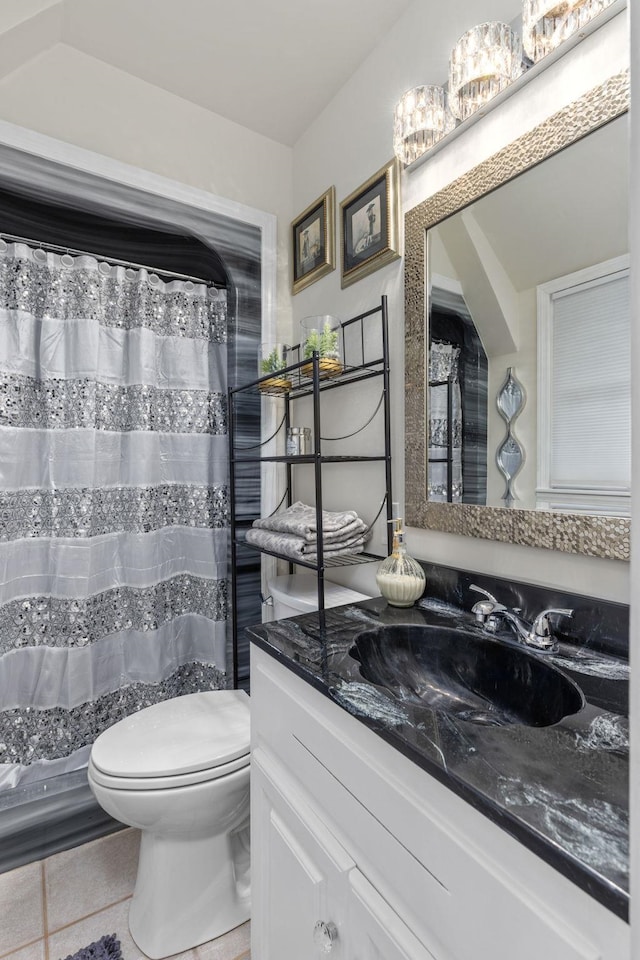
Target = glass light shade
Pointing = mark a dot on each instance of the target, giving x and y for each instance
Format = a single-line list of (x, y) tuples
[(548, 23), (484, 61), (421, 118)]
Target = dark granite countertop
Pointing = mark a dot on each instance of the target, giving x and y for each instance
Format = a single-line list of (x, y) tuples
[(562, 790)]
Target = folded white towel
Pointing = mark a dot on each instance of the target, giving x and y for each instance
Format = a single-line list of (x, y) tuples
[(300, 520), (296, 548)]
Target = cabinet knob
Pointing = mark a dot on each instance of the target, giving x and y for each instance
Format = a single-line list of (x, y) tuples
[(324, 936)]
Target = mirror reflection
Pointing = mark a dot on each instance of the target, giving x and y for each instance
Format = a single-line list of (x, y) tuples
[(533, 279)]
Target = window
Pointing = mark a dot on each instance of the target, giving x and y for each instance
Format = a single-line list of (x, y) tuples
[(584, 391)]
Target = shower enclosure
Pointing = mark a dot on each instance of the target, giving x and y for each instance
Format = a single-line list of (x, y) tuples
[(113, 538)]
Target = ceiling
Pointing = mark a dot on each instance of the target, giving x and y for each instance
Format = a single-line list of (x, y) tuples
[(269, 65)]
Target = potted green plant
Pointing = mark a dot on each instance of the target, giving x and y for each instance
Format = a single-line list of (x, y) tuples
[(323, 338), (273, 361)]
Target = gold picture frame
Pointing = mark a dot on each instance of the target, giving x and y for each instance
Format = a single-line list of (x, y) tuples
[(313, 250), (370, 224)]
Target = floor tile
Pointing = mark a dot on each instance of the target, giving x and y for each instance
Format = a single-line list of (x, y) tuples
[(112, 920), (232, 946), (90, 877), (35, 951), (21, 907)]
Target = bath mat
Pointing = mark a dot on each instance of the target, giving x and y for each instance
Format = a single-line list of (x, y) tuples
[(107, 948)]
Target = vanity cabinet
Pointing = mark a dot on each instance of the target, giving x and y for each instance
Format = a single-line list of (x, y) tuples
[(304, 871), (360, 854), (316, 900)]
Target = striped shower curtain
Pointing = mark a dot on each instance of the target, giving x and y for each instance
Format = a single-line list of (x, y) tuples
[(113, 500)]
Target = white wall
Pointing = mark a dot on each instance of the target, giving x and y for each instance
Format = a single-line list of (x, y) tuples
[(78, 99), (14, 12), (75, 98), (348, 142)]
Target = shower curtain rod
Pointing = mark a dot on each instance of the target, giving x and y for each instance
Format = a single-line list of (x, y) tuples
[(54, 248)]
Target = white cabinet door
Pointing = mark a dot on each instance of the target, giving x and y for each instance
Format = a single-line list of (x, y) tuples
[(300, 872), (376, 932)]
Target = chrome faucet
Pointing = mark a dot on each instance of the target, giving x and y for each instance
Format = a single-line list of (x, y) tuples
[(539, 634)]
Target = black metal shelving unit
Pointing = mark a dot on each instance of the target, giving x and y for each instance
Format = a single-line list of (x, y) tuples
[(358, 366)]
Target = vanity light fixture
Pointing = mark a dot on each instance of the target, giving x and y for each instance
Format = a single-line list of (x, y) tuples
[(421, 118), (484, 61), (548, 23)]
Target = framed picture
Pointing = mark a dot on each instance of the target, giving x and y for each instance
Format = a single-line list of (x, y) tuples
[(370, 234), (313, 241)]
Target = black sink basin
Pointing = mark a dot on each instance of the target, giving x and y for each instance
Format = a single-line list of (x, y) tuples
[(472, 677)]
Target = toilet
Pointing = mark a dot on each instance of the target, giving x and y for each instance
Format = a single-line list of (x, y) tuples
[(179, 772), (296, 593)]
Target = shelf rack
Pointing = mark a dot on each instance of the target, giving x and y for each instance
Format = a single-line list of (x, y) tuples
[(448, 383), (358, 366)]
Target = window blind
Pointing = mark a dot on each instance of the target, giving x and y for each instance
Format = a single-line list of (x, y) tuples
[(591, 386)]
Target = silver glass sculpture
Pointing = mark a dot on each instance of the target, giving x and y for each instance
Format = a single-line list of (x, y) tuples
[(510, 455)]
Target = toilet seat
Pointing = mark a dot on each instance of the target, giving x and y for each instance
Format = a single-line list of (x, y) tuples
[(169, 782), (178, 742)]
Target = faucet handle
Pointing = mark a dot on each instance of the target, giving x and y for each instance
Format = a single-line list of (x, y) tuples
[(485, 593), (541, 625), (483, 609)]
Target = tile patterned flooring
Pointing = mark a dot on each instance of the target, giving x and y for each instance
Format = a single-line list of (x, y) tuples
[(50, 909)]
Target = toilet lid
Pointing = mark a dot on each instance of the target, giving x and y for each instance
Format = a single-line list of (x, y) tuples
[(195, 732)]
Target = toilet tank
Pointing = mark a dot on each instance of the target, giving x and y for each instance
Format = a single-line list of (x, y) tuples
[(297, 593)]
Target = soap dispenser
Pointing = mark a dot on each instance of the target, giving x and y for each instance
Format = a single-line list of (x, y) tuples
[(400, 578)]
